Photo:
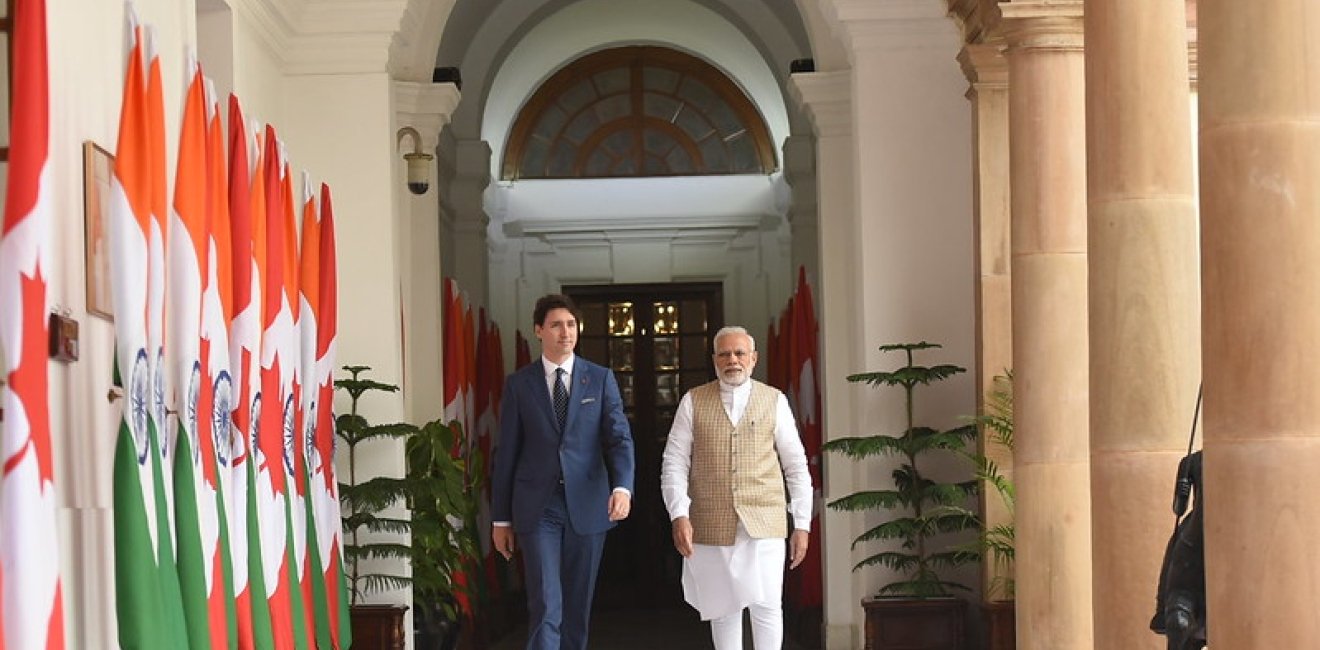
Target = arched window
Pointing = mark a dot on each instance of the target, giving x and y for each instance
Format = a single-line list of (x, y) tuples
[(637, 111)]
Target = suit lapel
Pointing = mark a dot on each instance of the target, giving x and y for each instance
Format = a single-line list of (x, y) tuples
[(540, 394), (581, 382)]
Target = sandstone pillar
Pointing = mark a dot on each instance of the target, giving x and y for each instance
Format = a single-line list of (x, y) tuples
[(1144, 300), (987, 71), (1051, 459), (1260, 159)]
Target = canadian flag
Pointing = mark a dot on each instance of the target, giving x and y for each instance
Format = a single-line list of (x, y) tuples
[(33, 615)]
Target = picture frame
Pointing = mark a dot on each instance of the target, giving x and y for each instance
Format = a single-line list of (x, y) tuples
[(98, 166)]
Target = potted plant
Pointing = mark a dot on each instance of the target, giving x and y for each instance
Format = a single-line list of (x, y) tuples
[(917, 610), (444, 477), (432, 488), (362, 505)]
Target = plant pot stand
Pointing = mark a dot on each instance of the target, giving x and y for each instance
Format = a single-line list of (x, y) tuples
[(1001, 624), (377, 627), (915, 624)]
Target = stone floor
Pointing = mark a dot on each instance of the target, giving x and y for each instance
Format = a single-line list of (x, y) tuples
[(665, 629)]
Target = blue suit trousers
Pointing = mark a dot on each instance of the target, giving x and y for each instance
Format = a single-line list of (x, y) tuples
[(561, 568)]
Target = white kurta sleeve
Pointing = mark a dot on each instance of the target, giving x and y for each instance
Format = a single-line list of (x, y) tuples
[(793, 459), (676, 463)]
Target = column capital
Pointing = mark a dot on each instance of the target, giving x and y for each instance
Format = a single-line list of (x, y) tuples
[(827, 98), (891, 25), (1042, 24), (984, 65), (426, 107)]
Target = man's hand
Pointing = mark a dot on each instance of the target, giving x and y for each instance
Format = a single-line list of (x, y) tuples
[(683, 536), (620, 505), (501, 537), (797, 547)]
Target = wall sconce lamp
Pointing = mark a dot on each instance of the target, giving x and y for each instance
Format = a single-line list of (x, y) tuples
[(419, 162)]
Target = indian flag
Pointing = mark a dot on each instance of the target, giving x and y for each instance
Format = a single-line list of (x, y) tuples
[(217, 310), (159, 438), (187, 258), (309, 288), (137, 536)]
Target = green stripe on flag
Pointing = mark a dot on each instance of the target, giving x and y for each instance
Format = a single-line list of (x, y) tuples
[(167, 573), (262, 635), (137, 589), (192, 574)]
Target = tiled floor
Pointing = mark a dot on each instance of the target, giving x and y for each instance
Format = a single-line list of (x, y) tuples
[(668, 629)]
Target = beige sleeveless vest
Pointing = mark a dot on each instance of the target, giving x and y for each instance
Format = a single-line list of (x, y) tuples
[(735, 474)]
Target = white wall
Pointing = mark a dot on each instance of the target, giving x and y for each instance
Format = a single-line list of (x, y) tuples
[(343, 134)]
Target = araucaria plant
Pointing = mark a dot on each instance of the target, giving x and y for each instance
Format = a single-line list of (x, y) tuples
[(362, 503), (922, 508)]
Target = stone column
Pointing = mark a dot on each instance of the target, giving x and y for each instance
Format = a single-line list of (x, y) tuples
[(465, 218), (426, 107), (987, 71), (1051, 458), (1260, 161), (826, 96), (1144, 300), (803, 218)]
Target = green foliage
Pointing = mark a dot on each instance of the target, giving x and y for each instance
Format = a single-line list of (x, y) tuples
[(444, 488), (998, 541), (922, 507), (436, 488)]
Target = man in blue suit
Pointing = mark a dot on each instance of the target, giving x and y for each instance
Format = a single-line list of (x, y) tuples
[(563, 475)]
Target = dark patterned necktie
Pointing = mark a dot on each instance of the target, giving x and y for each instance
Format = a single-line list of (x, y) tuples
[(561, 398)]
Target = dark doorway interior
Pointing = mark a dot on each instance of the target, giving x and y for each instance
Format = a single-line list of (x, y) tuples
[(656, 338)]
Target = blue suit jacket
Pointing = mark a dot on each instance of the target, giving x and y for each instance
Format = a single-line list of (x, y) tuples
[(594, 454)]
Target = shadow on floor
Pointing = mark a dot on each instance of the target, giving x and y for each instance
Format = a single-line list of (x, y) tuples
[(637, 629)]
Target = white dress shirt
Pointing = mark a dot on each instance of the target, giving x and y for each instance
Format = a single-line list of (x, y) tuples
[(719, 581)]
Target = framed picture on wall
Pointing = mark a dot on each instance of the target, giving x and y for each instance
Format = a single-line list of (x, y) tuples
[(98, 165)]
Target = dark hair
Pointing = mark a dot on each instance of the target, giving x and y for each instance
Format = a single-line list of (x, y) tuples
[(553, 301)]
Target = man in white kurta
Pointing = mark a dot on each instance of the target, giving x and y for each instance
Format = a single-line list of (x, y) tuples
[(733, 448)]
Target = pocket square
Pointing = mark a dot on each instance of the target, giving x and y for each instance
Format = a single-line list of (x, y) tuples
[(588, 400)]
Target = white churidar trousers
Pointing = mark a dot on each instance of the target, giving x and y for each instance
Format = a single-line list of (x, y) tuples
[(721, 581)]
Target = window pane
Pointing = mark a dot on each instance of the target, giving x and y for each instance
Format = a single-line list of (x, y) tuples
[(679, 162), (699, 95), (621, 354), (561, 159), (551, 121), (666, 353), (693, 123), (582, 126), (577, 97), (533, 162), (661, 79), (612, 81), (665, 317), (713, 154), (613, 108), (625, 387), (621, 319), (660, 106), (666, 389)]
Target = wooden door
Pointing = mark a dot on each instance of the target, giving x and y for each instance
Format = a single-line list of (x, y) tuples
[(657, 339)]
